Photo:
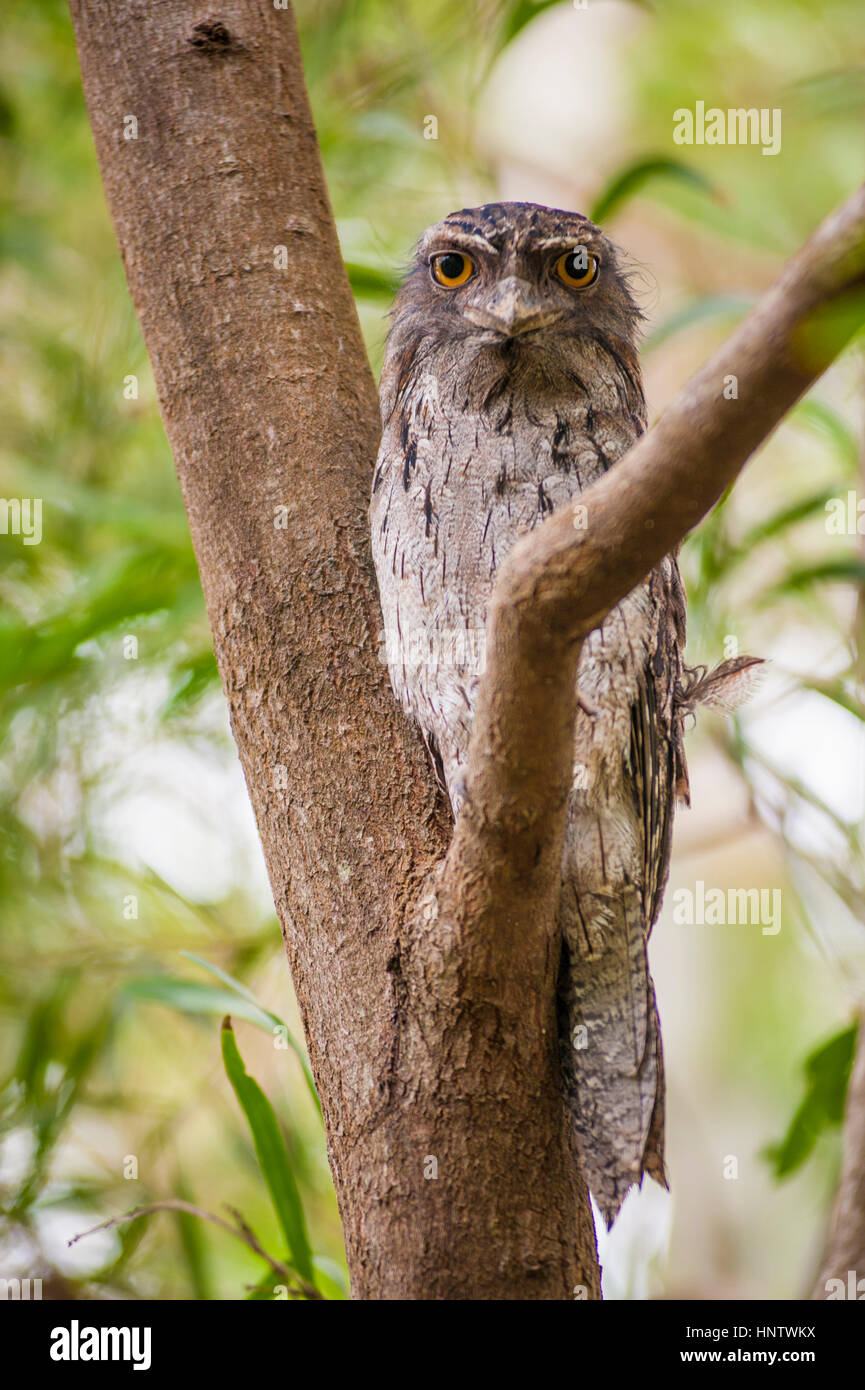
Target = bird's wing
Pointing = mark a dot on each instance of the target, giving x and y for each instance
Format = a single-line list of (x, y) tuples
[(657, 759)]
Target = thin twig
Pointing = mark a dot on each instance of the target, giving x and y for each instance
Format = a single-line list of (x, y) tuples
[(242, 1231)]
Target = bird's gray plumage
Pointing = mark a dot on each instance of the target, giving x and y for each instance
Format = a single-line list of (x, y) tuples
[(503, 398)]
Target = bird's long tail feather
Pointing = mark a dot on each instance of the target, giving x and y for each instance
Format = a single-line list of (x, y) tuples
[(611, 1043)]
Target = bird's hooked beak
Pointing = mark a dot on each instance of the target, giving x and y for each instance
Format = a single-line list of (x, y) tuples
[(514, 308)]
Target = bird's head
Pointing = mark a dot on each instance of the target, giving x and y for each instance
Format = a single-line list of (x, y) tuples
[(509, 272)]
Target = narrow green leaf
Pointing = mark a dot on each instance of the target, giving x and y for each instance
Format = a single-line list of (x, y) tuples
[(192, 997), (831, 327), (243, 993), (821, 418), (845, 570), (723, 307), (838, 92), (827, 1073), (52, 1108), (333, 1279), (372, 280), (842, 694), (786, 517), (272, 1154), (144, 582), (634, 177), (39, 1040), (192, 679), (521, 12), (234, 985), (193, 1245)]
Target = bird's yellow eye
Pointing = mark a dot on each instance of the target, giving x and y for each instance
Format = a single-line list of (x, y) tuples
[(451, 269), (578, 268)]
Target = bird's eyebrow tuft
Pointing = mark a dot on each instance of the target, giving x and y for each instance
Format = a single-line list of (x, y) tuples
[(443, 235), (564, 243)]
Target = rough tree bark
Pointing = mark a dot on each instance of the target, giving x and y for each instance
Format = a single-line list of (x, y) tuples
[(425, 978)]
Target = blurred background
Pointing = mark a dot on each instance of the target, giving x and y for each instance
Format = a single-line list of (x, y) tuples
[(134, 907)]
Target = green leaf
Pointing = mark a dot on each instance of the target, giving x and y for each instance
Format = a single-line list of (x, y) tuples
[(521, 12), (41, 1040), (192, 679), (333, 1279), (786, 517), (243, 993), (272, 1154), (52, 1108), (145, 582), (634, 177), (827, 1073), (193, 1245), (723, 307), (372, 280), (845, 570), (234, 985), (841, 693), (193, 997), (824, 420), (838, 92), (830, 328)]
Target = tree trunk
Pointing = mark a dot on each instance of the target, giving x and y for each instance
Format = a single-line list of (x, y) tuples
[(272, 414), (426, 983)]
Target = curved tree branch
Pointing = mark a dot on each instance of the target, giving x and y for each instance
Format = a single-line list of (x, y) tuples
[(490, 918), (559, 583), (426, 984)]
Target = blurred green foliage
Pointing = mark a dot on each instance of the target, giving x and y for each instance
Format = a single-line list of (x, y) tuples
[(272, 1156), (827, 1072), (113, 1093)]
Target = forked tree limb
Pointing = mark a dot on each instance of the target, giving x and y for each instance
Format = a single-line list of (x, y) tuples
[(559, 582), (492, 913), (426, 984)]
